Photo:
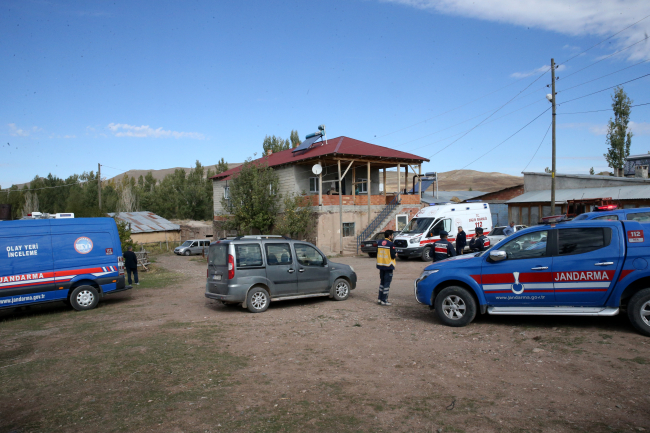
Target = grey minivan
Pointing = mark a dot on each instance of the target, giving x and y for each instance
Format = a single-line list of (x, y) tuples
[(192, 246), (257, 270)]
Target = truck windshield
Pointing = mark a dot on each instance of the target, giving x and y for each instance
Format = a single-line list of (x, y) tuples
[(418, 225), (218, 255)]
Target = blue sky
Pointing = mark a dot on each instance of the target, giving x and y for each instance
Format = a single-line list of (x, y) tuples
[(151, 85)]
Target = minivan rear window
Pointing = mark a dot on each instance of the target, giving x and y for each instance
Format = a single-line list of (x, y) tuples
[(218, 255)]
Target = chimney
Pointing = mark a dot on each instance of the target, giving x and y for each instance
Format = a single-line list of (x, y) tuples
[(641, 171), (269, 152)]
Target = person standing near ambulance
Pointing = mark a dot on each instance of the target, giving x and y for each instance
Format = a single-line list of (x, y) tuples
[(461, 241), (386, 264), (480, 241), (443, 249)]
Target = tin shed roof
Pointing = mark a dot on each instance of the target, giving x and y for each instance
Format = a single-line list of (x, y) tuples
[(340, 146), (562, 195), (146, 222)]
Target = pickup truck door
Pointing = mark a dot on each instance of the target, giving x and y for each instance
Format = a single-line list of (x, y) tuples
[(525, 277), (585, 265)]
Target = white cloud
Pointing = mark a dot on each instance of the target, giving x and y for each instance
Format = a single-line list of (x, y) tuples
[(575, 17), (537, 71), (17, 132), (145, 131), (640, 128)]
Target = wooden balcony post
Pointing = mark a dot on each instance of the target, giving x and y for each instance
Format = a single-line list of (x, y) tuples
[(369, 194), (385, 186), (399, 178), (340, 210)]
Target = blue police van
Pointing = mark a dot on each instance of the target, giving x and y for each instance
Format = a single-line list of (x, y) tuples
[(611, 212), (76, 261)]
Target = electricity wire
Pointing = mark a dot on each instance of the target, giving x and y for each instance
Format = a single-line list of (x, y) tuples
[(599, 91), (8, 190), (607, 75), (538, 147), (606, 109)]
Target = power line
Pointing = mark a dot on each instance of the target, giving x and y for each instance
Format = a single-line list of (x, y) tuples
[(611, 73), (540, 145), (518, 131), (48, 187), (606, 57), (599, 91), (606, 109), (606, 39)]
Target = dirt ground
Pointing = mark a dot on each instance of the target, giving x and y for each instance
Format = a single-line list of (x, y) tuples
[(162, 357)]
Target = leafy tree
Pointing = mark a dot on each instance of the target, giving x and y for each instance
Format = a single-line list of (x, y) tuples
[(254, 198), (221, 166), (591, 171), (124, 232), (275, 144), (618, 137), (295, 138), (297, 216)]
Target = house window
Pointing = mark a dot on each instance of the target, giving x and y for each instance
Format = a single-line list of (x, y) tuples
[(362, 185), (226, 193), (313, 184), (348, 229)]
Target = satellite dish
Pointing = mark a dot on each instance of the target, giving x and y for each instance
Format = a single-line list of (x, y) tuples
[(317, 169)]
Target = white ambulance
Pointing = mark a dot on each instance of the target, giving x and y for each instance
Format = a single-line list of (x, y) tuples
[(416, 240)]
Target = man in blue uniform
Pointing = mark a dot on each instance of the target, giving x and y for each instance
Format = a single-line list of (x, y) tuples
[(480, 242), (443, 248), (386, 264)]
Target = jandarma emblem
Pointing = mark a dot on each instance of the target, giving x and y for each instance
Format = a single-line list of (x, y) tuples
[(517, 288)]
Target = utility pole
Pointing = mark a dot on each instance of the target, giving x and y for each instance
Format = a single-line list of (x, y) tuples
[(99, 184), (553, 157)]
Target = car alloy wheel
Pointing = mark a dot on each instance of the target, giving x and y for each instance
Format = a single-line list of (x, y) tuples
[(259, 300), (645, 313), (342, 289), (454, 307)]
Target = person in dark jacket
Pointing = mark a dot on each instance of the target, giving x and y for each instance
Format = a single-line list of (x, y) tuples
[(461, 241), (443, 249), (386, 264), (480, 242), (131, 265)]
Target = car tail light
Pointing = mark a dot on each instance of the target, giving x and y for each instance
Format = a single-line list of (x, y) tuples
[(374, 244), (231, 267), (120, 265)]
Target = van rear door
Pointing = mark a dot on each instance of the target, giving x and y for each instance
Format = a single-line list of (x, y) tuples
[(218, 268)]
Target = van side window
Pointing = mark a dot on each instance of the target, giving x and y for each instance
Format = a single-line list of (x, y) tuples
[(308, 255), (194, 243), (248, 255), (528, 246), (278, 254), (440, 226), (643, 217), (608, 218)]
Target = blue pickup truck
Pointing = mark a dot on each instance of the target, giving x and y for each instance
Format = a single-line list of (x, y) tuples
[(586, 268), (613, 213), (76, 261)]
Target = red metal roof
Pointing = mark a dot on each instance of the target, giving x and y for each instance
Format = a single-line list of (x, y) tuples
[(335, 146)]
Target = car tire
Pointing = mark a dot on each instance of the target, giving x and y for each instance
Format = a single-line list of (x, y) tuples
[(455, 306), (638, 311), (341, 289), (426, 255), (258, 300), (186, 253), (372, 255), (84, 298)]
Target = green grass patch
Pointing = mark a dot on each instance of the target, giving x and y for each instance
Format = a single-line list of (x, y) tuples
[(157, 277)]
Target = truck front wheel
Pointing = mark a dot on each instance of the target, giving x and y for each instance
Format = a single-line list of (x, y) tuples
[(455, 306), (427, 255), (638, 311), (84, 298)]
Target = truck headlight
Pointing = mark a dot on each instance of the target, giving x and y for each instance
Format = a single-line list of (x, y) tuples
[(427, 273), (414, 241)]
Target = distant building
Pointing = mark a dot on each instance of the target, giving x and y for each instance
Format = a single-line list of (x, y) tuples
[(535, 203), (637, 165), (147, 227)]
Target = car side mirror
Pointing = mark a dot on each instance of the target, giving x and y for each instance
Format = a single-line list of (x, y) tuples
[(498, 255)]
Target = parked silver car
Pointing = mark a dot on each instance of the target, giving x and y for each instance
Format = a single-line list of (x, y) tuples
[(192, 247), (257, 270), (496, 234)]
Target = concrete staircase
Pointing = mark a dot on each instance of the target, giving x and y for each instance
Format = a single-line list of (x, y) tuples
[(350, 245)]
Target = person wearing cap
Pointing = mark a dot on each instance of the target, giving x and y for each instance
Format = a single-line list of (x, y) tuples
[(480, 242), (386, 264), (443, 248)]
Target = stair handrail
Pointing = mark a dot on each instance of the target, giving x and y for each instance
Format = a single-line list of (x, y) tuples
[(397, 199)]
